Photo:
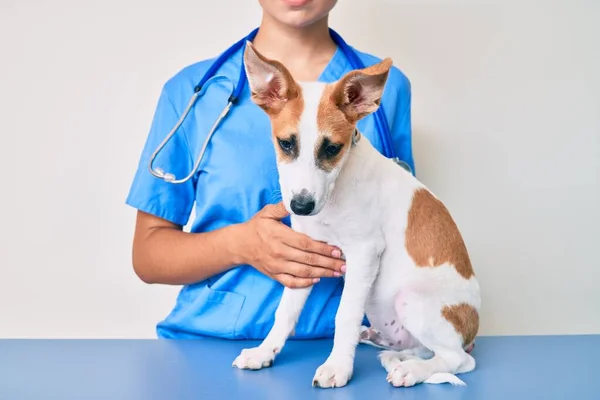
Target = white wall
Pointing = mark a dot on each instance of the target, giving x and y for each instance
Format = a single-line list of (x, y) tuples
[(506, 130)]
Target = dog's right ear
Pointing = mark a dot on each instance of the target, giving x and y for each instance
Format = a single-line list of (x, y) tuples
[(271, 84), (359, 92)]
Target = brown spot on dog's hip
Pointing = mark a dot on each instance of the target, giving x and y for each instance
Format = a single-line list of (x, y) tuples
[(432, 236), (465, 319)]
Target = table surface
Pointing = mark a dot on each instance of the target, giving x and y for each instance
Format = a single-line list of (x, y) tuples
[(529, 367)]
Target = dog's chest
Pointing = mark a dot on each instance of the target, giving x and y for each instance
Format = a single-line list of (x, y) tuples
[(338, 229), (325, 231)]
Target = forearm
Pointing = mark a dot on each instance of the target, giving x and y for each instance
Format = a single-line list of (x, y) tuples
[(168, 255)]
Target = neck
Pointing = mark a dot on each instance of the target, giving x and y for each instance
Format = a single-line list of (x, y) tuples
[(357, 171), (305, 51)]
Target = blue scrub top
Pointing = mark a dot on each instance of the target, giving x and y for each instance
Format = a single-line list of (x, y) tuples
[(238, 177)]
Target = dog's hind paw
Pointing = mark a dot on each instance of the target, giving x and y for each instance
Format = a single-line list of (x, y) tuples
[(401, 376), (254, 358), (409, 373), (332, 374)]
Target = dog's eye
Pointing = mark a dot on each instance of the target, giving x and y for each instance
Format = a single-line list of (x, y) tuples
[(333, 149), (287, 145)]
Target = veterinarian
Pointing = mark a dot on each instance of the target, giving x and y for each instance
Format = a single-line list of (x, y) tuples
[(240, 250)]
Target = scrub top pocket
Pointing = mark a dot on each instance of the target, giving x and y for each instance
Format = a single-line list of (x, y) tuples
[(203, 311)]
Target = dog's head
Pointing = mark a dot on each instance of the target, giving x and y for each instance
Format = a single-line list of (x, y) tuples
[(312, 124)]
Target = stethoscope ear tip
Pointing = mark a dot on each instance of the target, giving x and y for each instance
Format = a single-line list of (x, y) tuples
[(160, 173), (169, 177)]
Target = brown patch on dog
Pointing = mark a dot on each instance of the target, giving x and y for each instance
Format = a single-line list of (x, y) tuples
[(328, 153), (432, 237), (330, 119), (382, 67), (342, 105), (334, 127), (284, 125), (465, 320), (280, 96), (351, 96)]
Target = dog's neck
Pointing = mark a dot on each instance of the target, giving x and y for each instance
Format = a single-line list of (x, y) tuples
[(357, 169)]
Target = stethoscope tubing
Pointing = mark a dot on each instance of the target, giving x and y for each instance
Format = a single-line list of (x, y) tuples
[(380, 120)]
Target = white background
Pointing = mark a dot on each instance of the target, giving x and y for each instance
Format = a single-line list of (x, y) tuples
[(506, 114)]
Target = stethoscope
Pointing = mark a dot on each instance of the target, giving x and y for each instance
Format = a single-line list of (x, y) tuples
[(380, 120)]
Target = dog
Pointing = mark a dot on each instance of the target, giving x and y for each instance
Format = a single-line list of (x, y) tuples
[(408, 269)]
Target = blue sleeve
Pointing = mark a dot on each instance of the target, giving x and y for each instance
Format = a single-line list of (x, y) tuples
[(172, 202), (399, 116)]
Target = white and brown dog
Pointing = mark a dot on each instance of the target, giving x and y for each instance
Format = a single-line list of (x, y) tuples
[(408, 268)]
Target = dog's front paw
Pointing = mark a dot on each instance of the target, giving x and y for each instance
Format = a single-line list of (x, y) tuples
[(333, 374), (255, 358)]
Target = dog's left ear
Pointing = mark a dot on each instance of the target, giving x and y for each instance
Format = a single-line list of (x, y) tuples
[(271, 84), (359, 92)]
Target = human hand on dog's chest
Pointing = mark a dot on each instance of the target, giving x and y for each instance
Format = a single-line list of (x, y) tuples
[(292, 258)]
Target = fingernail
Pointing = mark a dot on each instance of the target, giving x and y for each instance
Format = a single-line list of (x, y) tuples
[(343, 268), (335, 273), (336, 253), (316, 280)]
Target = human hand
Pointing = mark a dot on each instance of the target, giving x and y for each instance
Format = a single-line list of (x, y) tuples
[(290, 257)]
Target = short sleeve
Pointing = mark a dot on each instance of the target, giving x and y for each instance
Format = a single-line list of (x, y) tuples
[(399, 115), (172, 202)]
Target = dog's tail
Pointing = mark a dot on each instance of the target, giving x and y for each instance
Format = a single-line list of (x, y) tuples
[(443, 377)]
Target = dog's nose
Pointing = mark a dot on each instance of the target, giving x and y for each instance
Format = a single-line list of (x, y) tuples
[(302, 204)]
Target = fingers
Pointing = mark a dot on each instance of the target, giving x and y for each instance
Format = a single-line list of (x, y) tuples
[(294, 282), (307, 262), (295, 239), (308, 271), (275, 211), (313, 252)]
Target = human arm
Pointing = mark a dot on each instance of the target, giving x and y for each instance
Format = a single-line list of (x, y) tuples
[(164, 253)]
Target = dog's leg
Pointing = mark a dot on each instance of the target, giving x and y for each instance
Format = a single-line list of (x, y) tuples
[(339, 366), (424, 320), (372, 337), (286, 316)]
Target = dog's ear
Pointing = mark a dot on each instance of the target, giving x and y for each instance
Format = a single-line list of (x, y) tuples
[(359, 92), (271, 84)]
